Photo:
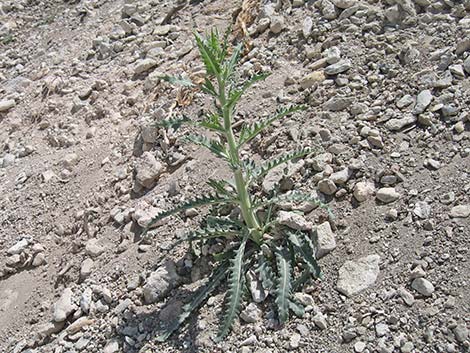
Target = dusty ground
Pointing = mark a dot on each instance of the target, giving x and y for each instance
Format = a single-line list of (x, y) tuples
[(76, 105)]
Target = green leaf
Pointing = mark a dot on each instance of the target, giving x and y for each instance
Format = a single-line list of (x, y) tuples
[(214, 146), (266, 167), (207, 50), (211, 199), (221, 187), (199, 297), (296, 308), (249, 132), (230, 64), (235, 291), (212, 122), (266, 272), (306, 251), (209, 88), (174, 124), (177, 80), (236, 94), (283, 290)]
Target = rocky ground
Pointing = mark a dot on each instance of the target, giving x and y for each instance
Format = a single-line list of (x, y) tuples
[(82, 171)]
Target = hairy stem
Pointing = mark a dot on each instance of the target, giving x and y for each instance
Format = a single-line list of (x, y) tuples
[(248, 213)]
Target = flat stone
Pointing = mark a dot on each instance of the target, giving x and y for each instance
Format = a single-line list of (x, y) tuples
[(341, 177), (422, 210), (405, 101), (320, 321), (327, 187), (293, 220), (460, 211), (6, 104), (339, 67), (461, 333), (144, 65), (423, 100), (78, 325), (93, 249), (148, 170), (423, 286), (111, 347), (338, 103), (311, 79), (325, 239), (398, 124), (86, 268), (387, 195), (18, 248), (355, 276), (407, 297), (160, 282), (64, 306)]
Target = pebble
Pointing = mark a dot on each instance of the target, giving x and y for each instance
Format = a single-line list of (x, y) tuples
[(356, 276), (6, 104), (160, 282), (320, 321), (111, 347), (93, 248), (422, 210), (277, 24), (461, 333), (251, 313), (407, 347), (144, 65), (423, 100), (423, 286), (86, 268), (460, 211), (363, 191), (293, 220), (339, 67), (294, 341), (387, 195), (359, 346), (64, 306), (327, 186), (148, 169), (18, 248)]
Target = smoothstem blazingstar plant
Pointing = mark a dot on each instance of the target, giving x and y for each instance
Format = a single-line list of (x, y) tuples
[(283, 260)]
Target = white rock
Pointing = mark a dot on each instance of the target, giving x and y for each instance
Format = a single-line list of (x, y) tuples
[(341, 177), (294, 340), (160, 282), (423, 286), (70, 160), (148, 170), (355, 276), (461, 211), (93, 249), (325, 239), (19, 247), (111, 347), (363, 190), (6, 105), (144, 65), (423, 100), (422, 210), (387, 195), (251, 313), (293, 220), (86, 268), (320, 321), (277, 24), (64, 306), (86, 300)]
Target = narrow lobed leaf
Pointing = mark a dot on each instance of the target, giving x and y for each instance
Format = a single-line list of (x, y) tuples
[(284, 286)]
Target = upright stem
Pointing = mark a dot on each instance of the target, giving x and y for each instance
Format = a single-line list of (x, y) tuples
[(248, 213)]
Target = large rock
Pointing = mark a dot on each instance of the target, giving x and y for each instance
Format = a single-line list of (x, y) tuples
[(363, 190), (423, 286), (398, 124), (355, 276), (339, 67), (6, 105), (160, 282), (423, 100), (64, 306), (148, 170), (387, 195), (325, 239), (461, 211)]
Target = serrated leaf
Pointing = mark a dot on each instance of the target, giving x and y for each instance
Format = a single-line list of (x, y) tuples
[(174, 123), (306, 251), (266, 273), (283, 288), (210, 199), (236, 94), (249, 132), (221, 187), (212, 145), (235, 291), (208, 87), (230, 65), (266, 167), (177, 80), (207, 54), (296, 308), (199, 297)]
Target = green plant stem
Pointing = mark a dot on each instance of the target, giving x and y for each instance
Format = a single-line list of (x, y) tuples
[(248, 213)]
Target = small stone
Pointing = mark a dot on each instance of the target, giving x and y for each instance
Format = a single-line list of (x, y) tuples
[(320, 321), (328, 10), (251, 314), (398, 124), (461, 211), (148, 170), (6, 105), (93, 249), (39, 260), (293, 220), (160, 282), (461, 333), (339, 67), (78, 325), (48, 175), (359, 346), (405, 101), (407, 347), (8, 160), (144, 65), (381, 329), (423, 100), (422, 210), (387, 195), (333, 55), (86, 268), (111, 347), (311, 79), (294, 341), (277, 24), (341, 177), (433, 164), (70, 160), (18, 248), (258, 293), (363, 191), (423, 286), (86, 300), (457, 71), (250, 341), (64, 306), (307, 26), (355, 276), (327, 187), (406, 296), (338, 103), (466, 65), (325, 239)]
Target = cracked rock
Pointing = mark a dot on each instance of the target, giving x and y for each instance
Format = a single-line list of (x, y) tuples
[(160, 282)]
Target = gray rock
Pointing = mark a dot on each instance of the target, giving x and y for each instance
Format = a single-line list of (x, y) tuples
[(307, 26), (328, 10), (422, 209), (457, 71), (387, 195), (111, 347), (294, 340), (277, 24), (311, 79), (320, 321), (398, 124), (407, 297), (251, 313), (144, 65), (6, 104), (339, 67), (344, 4), (381, 329), (460, 211), (86, 268), (423, 286), (258, 293), (8, 160), (405, 101), (461, 333), (293, 220), (338, 103), (423, 100), (64, 306), (273, 178), (359, 347), (148, 170), (363, 191), (93, 249), (355, 276), (39, 260), (325, 239), (18, 248), (86, 300), (160, 282), (70, 160), (341, 177), (466, 65), (320, 161), (327, 187)]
